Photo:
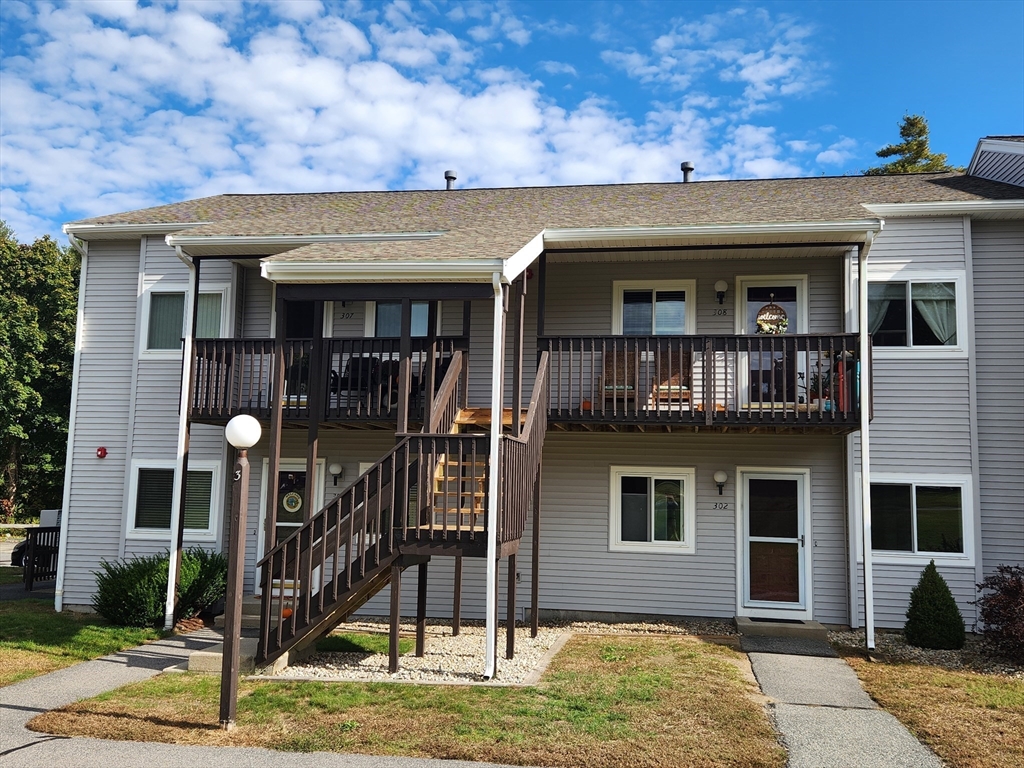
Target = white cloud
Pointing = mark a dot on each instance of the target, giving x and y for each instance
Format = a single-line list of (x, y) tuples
[(799, 145), (838, 152), (118, 109)]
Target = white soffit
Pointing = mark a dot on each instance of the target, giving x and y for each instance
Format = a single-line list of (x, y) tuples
[(125, 231)]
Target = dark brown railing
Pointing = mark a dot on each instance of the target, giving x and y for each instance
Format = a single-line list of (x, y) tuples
[(521, 459), (799, 379), (40, 559), (358, 377)]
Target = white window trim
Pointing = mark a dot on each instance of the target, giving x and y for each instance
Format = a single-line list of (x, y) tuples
[(769, 281), (689, 286), (370, 319), (226, 315), (887, 557), (909, 275), (161, 534), (689, 477)]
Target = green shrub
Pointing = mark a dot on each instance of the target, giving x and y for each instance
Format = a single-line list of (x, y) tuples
[(132, 593), (933, 620)]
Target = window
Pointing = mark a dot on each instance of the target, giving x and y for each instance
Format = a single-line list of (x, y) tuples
[(387, 318), (165, 320), (653, 309), (652, 509), (152, 493), (913, 313), (920, 518)]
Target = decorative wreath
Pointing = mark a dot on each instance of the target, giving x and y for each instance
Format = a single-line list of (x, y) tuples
[(771, 319)]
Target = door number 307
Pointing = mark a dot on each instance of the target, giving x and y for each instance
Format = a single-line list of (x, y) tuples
[(721, 505)]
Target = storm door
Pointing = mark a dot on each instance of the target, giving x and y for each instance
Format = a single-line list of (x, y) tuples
[(292, 503), (774, 543)]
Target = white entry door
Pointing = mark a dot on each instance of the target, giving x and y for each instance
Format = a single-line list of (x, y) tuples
[(774, 523), (292, 498)]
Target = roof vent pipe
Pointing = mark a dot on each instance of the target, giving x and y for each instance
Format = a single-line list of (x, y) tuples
[(687, 168), (449, 179)]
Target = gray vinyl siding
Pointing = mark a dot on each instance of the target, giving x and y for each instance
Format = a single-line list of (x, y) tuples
[(998, 261), (922, 415), (933, 243), (1000, 166), (257, 303), (349, 320), (102, 414)]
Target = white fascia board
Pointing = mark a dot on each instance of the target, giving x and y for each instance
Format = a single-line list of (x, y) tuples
[(516, 264), (113, 231), (552, 236), (1006, 209), (297, 240), (465, 270)]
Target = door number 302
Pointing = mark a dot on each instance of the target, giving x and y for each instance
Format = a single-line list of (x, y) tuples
[(721, 505)]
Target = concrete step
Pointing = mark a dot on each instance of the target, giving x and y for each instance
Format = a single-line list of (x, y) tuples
[(249, 621), (210, 660), (807, 630)]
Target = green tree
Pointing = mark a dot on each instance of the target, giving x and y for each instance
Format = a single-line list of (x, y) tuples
[(933, 618), (913, 153), (38, 301)]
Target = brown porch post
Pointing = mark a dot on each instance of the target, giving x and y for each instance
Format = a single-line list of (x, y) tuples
[(276, 417), (542, 274), (457, 603), (404, 368), (510, 610), (421, 610), (314, 404), (467, 314), (535, 560), (396, 610), (519, 310), (430, 372)]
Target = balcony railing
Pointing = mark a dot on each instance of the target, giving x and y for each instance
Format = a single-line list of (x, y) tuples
[(798, 380), (357, 378)]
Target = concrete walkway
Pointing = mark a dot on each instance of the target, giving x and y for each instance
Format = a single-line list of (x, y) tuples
[(22, 748), (827, 720)]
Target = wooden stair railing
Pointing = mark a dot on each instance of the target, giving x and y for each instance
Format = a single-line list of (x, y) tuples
[(521, 459)]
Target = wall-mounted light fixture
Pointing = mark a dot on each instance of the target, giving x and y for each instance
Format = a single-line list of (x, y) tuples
[(720, 288), (720, 478), (337, 470)]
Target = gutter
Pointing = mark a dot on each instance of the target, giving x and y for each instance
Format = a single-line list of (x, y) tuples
[(115, 231), (62, 552), (181, 451), (296, 240), (711, 230), (1002, 209)]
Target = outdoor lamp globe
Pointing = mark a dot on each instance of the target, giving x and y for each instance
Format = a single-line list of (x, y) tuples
[(243, 431)]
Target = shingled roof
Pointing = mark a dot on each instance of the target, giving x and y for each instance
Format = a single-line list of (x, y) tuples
[(522, 209)]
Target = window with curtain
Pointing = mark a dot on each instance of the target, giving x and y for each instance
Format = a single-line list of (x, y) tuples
[(912, 314), (388, 319), (166, 322), (917, 518), (154, 491), (650, 312)]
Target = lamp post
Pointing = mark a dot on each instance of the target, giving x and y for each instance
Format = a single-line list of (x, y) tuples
[(243, 432)]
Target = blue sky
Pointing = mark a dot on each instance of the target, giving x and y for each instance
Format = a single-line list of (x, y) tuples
[(111, 105)]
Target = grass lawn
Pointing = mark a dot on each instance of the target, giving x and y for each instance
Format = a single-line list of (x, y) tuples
[(9, 575), (34, 639), (603, 702), (358, 642), (970, 720)]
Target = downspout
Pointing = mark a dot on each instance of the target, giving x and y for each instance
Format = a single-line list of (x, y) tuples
[(181, 450), (82, 247), (865, 442), (493, 487)]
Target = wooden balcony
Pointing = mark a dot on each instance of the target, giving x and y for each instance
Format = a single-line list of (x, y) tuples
[(358, 379), (772, 383)]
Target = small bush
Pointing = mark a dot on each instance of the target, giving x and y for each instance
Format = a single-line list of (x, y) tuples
[(1001, 611), (132, 593), (933, 619)]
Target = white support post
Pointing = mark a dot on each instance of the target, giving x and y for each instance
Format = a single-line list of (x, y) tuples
[(865, 444), (493, 488), (179, 456)]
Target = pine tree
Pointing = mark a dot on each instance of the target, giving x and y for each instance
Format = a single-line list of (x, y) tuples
[(933, 620), (913, 153)]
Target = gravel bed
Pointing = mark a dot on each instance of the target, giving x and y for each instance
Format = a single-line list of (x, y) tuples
[(459, 659), (893, 646)]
